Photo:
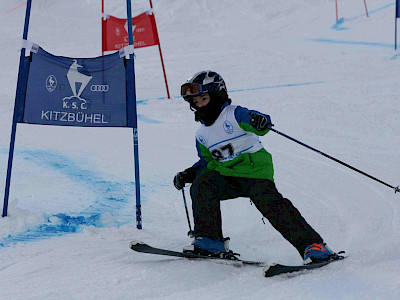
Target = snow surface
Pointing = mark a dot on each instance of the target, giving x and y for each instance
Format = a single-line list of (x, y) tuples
[(331, 85)]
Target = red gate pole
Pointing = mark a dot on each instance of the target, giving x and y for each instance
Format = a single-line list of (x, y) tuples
[(366, 9), (103, 31), (337, 15), (161, 57)]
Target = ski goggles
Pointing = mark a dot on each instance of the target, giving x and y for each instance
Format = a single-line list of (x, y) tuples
[(191, 89)]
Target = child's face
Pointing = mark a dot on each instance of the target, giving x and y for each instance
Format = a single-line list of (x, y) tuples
[(201, 100)]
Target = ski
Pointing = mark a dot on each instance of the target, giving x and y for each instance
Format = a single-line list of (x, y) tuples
[(278, 269), (139, 246)]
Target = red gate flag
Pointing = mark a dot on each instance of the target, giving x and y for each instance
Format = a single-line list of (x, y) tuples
[(115, 32), (144, 29)]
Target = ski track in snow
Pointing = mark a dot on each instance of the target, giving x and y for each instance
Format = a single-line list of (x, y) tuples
[(110, 202)]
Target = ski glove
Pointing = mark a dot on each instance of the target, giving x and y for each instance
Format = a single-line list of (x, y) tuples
[(184, 177), (260, 122)]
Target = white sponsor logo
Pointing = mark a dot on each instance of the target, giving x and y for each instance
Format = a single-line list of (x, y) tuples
[(228, 127), (76, 109), (79, 117), (202, 140), (126, 27), (51, 83), (135, 136), (76, 80), (75, 77), (99, 88)]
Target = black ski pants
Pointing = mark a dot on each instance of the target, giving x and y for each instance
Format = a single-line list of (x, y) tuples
[(209, 188)]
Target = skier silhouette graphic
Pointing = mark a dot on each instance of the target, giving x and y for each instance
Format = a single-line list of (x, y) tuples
[(75, 77)]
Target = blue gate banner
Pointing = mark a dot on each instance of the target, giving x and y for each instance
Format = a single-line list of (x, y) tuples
[(397, 8), (88, 92)]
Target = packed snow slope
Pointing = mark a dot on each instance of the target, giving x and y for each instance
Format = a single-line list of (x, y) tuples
[(332, 85)]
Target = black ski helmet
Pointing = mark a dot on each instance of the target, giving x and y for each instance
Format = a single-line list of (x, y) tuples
[(204, 82), (211, 83)]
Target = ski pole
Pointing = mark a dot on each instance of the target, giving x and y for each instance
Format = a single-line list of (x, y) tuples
[(191, 232), (396, 189)]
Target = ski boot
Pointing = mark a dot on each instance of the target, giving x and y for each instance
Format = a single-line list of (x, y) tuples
[(210, 247), (318, 252)]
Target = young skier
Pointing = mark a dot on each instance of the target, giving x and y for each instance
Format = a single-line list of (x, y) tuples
[(233, 163)]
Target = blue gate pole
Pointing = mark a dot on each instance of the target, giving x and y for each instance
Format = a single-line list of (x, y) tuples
[(16, 109), (132, 101), (395, 33), (397, 15)]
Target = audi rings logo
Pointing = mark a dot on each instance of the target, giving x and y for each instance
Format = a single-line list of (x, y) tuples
[(103, 88)]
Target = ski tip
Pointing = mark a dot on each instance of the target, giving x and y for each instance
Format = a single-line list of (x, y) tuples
[(134, 243), (267, 268), (270, 265)]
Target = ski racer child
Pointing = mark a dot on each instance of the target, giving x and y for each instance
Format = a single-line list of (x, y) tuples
[(233, 163)]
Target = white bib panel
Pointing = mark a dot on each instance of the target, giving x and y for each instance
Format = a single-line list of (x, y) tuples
[(225, 139)]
